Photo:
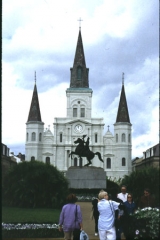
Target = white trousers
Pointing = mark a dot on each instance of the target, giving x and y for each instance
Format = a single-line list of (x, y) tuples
[(107, 235)]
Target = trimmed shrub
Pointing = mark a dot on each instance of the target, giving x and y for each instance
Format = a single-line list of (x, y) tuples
[(34, 184)]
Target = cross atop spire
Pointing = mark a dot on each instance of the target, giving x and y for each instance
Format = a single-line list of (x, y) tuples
[(123, 78), (80, 20), (35, 77), (108, 128)]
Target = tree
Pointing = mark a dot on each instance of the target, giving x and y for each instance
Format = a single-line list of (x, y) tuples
[(112, 188), (145, 178), (34, 184)]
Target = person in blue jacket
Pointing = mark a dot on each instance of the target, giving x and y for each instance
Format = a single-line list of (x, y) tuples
[(130, 208)]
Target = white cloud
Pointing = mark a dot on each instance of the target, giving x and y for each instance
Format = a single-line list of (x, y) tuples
[(150, 138), (15, 101)]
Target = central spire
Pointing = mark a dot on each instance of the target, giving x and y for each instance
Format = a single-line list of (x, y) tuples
[(79, 72)]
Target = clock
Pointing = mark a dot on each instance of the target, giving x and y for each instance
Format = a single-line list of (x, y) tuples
[(78, 128)]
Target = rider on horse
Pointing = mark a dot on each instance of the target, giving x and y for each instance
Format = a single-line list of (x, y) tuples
[(82, 150), (86, 144)]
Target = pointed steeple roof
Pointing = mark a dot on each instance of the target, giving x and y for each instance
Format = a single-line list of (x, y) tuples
[(123, 114), (34, 112), (79, 72)]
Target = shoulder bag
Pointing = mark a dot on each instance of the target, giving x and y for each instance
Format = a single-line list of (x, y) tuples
[(76, 231)]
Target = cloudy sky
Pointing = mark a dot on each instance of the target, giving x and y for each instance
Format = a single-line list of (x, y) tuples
[(118, 36)]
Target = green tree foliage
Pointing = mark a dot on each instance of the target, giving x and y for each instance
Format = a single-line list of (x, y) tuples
[(34, 184), (145, 178), (112, 188)]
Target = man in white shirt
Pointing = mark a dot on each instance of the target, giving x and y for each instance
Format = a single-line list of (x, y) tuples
[(123, 194)]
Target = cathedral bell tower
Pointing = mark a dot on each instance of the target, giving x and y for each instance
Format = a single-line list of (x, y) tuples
[(122, 132), (79, 95), (34, 129)]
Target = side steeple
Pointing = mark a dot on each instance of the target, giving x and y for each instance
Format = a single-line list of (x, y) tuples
[(34, 112), (79, 72), (123, 114)]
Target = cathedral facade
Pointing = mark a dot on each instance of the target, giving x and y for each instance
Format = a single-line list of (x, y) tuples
[(55, 147)]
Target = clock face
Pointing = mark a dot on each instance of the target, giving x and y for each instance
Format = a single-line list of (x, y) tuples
[(78, 128)]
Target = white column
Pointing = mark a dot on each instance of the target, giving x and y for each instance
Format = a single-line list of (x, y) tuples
[(65, 160), (70, 134)]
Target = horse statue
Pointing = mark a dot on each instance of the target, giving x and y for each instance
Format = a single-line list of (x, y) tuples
[(82, 150)]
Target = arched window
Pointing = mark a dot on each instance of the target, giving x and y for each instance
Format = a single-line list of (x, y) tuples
[(108, 163), (74, 112), (32, 158), (123, 137), (75, 162), (82, 112), (27, 137), (40, 137), (129, 138), (79, 73), (61, 137), (80, 162), (116, 137), (123, 162), (33, 136), (96, 137), (48, 160)]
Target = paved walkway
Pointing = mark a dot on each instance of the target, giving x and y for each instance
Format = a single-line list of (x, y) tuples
[(88, 223)]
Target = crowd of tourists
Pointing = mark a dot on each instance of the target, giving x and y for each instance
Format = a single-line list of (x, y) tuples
[(110, 212)]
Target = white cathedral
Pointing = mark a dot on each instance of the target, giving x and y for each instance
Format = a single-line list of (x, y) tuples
[(54, 147)]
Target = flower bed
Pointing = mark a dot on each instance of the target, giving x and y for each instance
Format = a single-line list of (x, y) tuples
[(10, 226), (85, 198), (19, 230), (145, 224)]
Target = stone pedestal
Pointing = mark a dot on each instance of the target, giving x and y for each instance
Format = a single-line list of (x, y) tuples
[(86, 177)]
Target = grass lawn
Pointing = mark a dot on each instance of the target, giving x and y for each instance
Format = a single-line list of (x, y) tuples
[(30, 215)]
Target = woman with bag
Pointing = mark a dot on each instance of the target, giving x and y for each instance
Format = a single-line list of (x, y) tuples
[(106, 219), (71, 219)]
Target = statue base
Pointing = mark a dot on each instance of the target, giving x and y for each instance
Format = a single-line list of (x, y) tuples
[(86, 177)]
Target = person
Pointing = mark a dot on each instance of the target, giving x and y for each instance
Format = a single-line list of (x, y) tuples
[(118, 215), (146, 200), (123, 194), (86, 143), (106, 210), (70, 218), (130, 208), (95, 214)]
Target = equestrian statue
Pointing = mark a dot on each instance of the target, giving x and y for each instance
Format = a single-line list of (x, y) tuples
[(82, 150)]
